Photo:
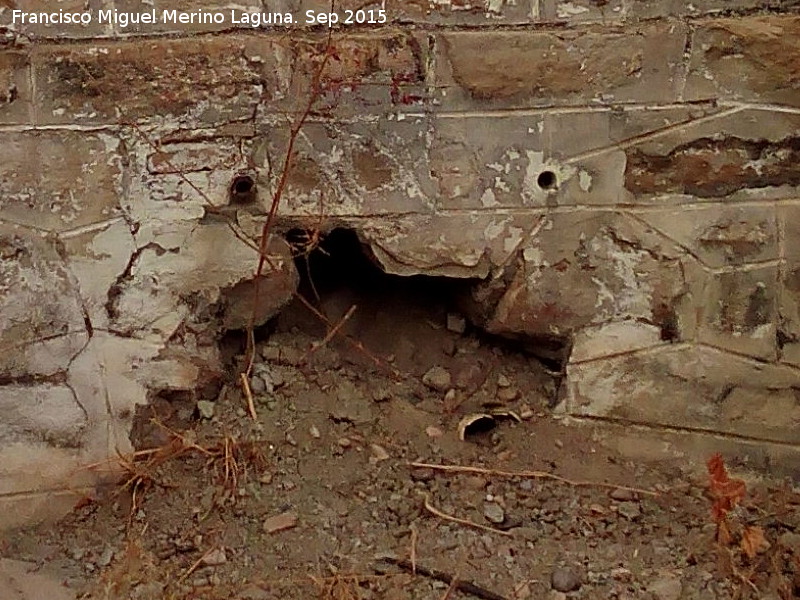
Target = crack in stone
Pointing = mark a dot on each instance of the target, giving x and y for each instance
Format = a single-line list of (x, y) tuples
[(116, 289)]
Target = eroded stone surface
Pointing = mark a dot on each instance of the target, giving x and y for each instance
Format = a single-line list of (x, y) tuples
[(616, 180), (707, 389), (15, 90), (714, 168), (42, 326), (740, 312), (751, 58), (46, 412), (485, 69), (81, 185), (195, 81), (23, 580), (577, 271)]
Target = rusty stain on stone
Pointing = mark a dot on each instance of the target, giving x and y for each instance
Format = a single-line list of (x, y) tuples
[(713, 168)]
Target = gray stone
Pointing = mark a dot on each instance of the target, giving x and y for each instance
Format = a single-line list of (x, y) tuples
[(438, 379), (206, 408), (629, 510), (623, 495), (214, 558), (257, 385), (564, 579), (494, 513)]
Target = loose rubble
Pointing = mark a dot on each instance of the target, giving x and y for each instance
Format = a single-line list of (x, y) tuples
[(323, 482)]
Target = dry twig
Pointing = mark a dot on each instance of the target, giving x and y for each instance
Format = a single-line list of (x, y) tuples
[(442, 515), (333, 331), (251, 406), (529, 475), (465, 587), (413, 553), (195, 565), (279, 191)]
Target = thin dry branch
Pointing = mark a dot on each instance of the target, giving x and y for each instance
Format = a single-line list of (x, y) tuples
[(530, 475), (330, 335), (465, 587), (251, 406), (442, 515), (196, 564), (413, 552), (314, 94)]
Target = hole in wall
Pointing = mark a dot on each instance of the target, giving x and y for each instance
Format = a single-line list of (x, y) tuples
[(242, 189), (392, 312), (547, 180), (415, 321), (409, 324)]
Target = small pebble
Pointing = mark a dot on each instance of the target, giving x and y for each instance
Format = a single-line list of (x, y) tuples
[(206, 408), (106, 557), (451, 397), (507, 394), (381, 394), (270, 353), (433, 432), (438, 379), (214, 558), (622, 495), (280, 522), (257, 385), (422, 474), (378, 452), (564, 579), (475, 482), (629, 510), (494, 513)]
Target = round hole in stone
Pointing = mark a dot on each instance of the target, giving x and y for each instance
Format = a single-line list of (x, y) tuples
[(242, 185), (547, 180)]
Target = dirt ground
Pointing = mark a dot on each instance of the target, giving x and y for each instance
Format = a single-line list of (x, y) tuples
[(319, 497)]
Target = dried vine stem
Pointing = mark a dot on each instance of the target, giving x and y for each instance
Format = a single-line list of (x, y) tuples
[(314, 94), (443, 515), (334, 330), (530, 475), (465, 587)]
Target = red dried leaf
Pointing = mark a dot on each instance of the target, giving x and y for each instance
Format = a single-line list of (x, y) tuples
[(724, 536), (726, 491), (753, 541)]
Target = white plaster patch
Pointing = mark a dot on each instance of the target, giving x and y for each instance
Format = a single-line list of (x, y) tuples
[(513, 239), (584, 181), (568, 9), (488, 198), (613, 338), (534, 254)]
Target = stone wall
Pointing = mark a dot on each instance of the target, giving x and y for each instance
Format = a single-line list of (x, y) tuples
[(620, 175)]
